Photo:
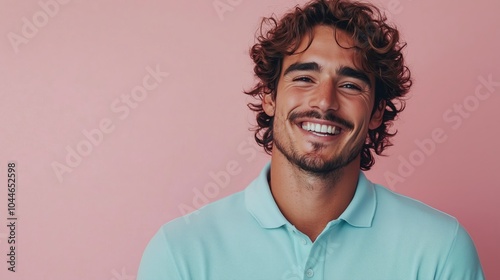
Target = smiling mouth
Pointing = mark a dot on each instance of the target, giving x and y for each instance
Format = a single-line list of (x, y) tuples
[(321, 129)]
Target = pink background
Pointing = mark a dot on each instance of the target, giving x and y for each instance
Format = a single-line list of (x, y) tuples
[(65, 77)]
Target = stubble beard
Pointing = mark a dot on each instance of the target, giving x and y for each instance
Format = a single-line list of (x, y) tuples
[(313, 164)]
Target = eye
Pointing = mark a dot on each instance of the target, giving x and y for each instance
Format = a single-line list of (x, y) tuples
[(351, 86), (303, 79)]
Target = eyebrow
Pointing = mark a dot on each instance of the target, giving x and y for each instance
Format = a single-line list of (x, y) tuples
[(303, 66), (342, 71)]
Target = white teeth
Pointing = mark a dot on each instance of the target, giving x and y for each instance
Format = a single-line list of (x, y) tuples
[(325, 129)]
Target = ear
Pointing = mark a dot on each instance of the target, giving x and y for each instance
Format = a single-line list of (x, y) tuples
[(377, 116), (268, 104)]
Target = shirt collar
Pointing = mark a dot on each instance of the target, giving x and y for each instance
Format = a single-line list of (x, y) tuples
[(361, 210), (260, 203)]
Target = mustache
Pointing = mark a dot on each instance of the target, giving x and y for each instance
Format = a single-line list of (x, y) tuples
[(329, 116)]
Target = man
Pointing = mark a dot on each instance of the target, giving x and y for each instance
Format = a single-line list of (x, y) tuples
[(330, 76)]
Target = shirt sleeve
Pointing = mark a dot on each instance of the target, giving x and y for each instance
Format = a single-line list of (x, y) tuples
[(462, 261), (157, 262)]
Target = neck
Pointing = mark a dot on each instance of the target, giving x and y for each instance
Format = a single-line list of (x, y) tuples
[(310, 201)]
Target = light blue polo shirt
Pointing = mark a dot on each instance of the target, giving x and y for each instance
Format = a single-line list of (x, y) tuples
[(381, 235)]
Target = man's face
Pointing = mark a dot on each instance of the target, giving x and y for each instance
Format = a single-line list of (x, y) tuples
[(323, 105)]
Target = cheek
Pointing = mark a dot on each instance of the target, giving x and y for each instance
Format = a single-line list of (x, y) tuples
[(358, 111), (365, 104), (356, 106), (289, 103)]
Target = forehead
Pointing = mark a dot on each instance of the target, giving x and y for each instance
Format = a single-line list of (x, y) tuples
[(329, 47)]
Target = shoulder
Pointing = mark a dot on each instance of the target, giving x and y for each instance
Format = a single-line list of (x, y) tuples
[(396, 207), (415, 224), (422, 228), (438, 241), (169, 253)]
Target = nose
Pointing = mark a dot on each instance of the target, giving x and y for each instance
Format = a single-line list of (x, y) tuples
[(325, 97)]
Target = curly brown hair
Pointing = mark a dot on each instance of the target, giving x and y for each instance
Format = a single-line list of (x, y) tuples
[(376, 42)]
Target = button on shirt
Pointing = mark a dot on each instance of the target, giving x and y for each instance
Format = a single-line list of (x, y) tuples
[(381, 235)]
